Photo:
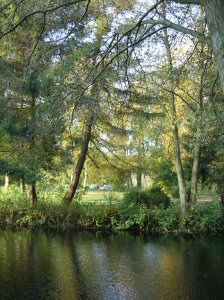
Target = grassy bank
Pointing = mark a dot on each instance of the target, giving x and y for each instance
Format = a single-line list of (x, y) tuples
[(108, 213)]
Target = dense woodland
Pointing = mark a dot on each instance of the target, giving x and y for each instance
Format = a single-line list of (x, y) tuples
[(110, 92)]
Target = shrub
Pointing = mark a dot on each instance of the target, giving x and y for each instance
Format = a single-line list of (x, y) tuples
[(213, 214), (192, 221), (153, 197), (158, 197)]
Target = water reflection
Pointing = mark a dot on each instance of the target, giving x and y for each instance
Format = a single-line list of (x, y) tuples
[(70, 266)]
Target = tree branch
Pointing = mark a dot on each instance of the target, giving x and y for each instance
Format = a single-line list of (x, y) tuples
[(41, 11), (80, 20), (197, 2), (201, 37)]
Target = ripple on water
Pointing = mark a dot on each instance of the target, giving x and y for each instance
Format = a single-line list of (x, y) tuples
[(85, 266)]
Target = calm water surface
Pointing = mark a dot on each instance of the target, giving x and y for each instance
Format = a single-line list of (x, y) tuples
[(35, 265)]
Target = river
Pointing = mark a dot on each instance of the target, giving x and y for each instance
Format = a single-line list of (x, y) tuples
[(66, 266)]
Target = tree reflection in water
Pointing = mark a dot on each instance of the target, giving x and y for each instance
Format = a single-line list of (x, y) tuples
[(37, 265)]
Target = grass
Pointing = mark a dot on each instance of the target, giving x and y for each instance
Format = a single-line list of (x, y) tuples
[(99, 196), (94, 196)]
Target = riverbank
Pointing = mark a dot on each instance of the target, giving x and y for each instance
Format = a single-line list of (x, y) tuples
[(112, 217)]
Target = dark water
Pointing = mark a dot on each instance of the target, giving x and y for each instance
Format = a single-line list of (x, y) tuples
[(87, 266)]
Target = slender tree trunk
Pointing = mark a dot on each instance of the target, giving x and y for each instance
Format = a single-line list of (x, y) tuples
[(86, 177), (194, 175), (198, 118), (22, 185), (82, 157), (175, 130), (139, 180), (202, 55), (33, 193), (145, 180), (130, 182), (180, 172), (32, 188), (72, 175), (215, 15), (7, 182)]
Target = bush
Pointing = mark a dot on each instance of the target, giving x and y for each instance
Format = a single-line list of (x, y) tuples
[(192, 222), (153, 197)]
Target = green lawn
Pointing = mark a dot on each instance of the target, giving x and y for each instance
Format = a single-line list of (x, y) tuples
[(93, 196)]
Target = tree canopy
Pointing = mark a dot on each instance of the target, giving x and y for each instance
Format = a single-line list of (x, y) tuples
[(126, 90)]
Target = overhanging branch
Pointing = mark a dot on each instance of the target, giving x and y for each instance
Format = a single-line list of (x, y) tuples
[(201, 37), (197, 2), (40, 11)]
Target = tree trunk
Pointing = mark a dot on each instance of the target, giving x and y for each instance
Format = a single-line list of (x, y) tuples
[(86, 177), (194, 175), (180, 172), (198, 119), (7, 182), (139, 180), (130, 182), (32, 189), (33, 193), (82, 157), (175, 131), (214, 10), (22, 185), (215, 15)]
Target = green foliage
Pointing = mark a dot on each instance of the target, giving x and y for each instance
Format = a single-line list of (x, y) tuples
[(193, 221), (12, 199), (111, 196), (153, 197), (16, 211), (106, 215), (213, 215), (162, 173), (166, 219)]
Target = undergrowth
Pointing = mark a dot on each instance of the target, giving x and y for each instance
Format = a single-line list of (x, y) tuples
[(111, 215)]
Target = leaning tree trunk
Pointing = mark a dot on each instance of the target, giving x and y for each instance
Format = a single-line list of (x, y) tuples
[(82, 157)]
